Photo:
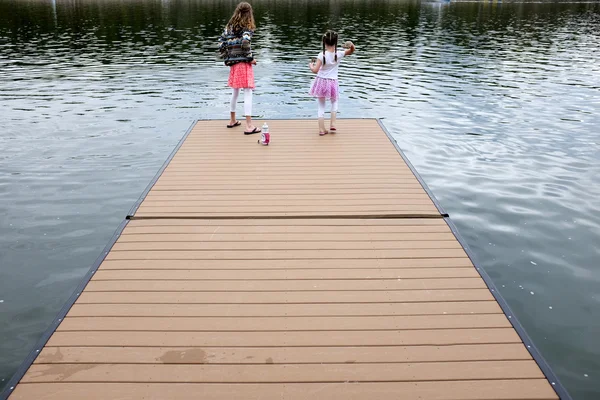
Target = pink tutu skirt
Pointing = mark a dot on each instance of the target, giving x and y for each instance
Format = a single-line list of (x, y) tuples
[(241, 76), (323, 87)]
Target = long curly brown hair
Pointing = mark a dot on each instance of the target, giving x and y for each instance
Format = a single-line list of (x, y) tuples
[(242, 17)]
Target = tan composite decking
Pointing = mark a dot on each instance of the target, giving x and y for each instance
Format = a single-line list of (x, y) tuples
[(218, 172), (314, 268)]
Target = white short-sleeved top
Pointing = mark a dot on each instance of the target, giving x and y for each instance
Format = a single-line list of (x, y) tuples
[(329, 70)]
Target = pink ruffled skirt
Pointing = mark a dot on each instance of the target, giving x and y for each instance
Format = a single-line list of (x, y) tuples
[(241, 76), (323, 87)]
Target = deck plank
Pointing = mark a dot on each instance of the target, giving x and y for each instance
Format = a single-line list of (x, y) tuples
[(363, 223), (287, 237), (286, 297), (289, 373), (307, 244), (305, 254), (514, 389), (291, 264), (281, 310), (162, 272), (282, 285), (281, 355), (420, 337), (281, 324)]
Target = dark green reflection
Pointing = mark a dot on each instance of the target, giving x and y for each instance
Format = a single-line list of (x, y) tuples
[(183, 28)]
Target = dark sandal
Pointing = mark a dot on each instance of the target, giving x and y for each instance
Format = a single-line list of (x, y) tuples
[(255, 130), (237, 123)]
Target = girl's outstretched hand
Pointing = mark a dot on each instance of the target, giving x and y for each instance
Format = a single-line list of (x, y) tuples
[(349, 46), (253, 62)]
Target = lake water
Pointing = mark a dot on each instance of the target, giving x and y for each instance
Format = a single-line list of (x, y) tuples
[(497, 104)]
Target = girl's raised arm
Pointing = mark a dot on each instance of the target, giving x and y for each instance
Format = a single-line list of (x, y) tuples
[(349, 50)]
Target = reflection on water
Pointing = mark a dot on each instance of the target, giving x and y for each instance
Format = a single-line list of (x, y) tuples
[(496, 104)]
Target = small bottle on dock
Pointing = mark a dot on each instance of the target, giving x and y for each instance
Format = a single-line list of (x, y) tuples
[(265, 136)]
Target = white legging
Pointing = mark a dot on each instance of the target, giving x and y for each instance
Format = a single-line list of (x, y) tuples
[(247, 101), (321, 107)]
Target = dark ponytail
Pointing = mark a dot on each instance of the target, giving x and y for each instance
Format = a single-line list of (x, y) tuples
[(335, 46), (330, 38)]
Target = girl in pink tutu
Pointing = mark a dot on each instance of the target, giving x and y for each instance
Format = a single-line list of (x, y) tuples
[(235, 47), (325, 85)]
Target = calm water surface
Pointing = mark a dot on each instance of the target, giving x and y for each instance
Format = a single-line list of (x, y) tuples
[(496, 103)]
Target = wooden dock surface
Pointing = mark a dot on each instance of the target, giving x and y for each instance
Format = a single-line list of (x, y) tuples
[(316, 267), (218, 173)]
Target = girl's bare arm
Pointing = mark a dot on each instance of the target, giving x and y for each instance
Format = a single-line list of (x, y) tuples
[(350, 50), (316, 66)]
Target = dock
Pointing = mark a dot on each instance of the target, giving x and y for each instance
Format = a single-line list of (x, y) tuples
[(312, 268)]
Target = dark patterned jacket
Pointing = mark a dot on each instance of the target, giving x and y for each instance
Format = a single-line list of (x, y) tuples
[(235, 46)]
